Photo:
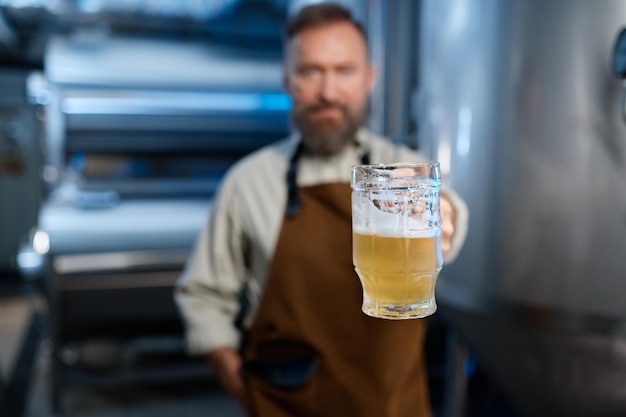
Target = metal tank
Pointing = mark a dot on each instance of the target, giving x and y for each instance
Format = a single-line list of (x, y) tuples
[(518, 102)]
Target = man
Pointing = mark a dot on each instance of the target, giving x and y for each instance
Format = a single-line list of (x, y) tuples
[(280, 230)]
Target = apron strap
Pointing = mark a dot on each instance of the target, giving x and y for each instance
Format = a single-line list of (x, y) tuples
[(293, 199), (365, 159)]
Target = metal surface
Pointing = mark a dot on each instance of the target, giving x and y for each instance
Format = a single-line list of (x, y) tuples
[(139, 132), (26, 25), (519, 105), (393, 37), (150, 224), (138, 135), (112, 95)]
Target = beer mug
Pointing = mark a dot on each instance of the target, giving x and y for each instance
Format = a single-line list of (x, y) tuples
[(396, 232)]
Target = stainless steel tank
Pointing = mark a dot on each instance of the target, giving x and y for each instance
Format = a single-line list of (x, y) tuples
[(518, 102)]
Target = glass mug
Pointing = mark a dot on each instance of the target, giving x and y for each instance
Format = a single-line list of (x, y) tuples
[(396, 232)]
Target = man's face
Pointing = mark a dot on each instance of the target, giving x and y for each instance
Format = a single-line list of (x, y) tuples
[(329, 78)]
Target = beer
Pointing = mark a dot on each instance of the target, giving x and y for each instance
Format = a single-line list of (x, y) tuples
[(398, 273), (396, 228)]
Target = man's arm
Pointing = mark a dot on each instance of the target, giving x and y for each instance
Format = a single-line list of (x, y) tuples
[(226, 363), (207, 293)]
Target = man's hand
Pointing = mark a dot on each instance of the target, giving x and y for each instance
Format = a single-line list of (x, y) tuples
[(448, 215), (447, 223), (226, 364)]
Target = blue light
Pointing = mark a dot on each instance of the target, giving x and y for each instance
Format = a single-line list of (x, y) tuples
[(177, 103), (275, 102)]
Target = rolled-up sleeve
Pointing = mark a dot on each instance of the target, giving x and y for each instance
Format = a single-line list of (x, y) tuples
[(207, 293)]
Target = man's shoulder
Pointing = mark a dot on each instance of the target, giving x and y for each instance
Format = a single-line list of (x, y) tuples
[(384, 150), (268, 160)]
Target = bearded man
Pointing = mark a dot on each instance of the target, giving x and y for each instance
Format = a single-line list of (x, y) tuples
[(280, 231)]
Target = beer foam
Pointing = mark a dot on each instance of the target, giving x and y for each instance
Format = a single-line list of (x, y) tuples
[(388, 214), (397, 233)]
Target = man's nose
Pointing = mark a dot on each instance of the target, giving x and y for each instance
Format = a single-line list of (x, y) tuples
[(330, 89)]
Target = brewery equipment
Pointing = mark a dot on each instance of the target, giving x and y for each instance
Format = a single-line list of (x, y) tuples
[(138, 134), (519, 104)]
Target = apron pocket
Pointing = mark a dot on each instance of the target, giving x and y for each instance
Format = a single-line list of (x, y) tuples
[(282, 372)]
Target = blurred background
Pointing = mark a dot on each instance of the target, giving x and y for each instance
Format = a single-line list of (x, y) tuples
[(119, 118)]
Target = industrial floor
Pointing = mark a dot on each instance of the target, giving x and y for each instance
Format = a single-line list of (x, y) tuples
[(25, 361)]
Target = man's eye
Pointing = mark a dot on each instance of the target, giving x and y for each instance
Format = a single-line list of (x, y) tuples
[(308, 72), (345, 70)]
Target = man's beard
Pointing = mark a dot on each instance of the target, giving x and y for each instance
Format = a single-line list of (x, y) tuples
[(322, 138)]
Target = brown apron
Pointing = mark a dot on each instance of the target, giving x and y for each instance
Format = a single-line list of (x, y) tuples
[(311, 308)]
